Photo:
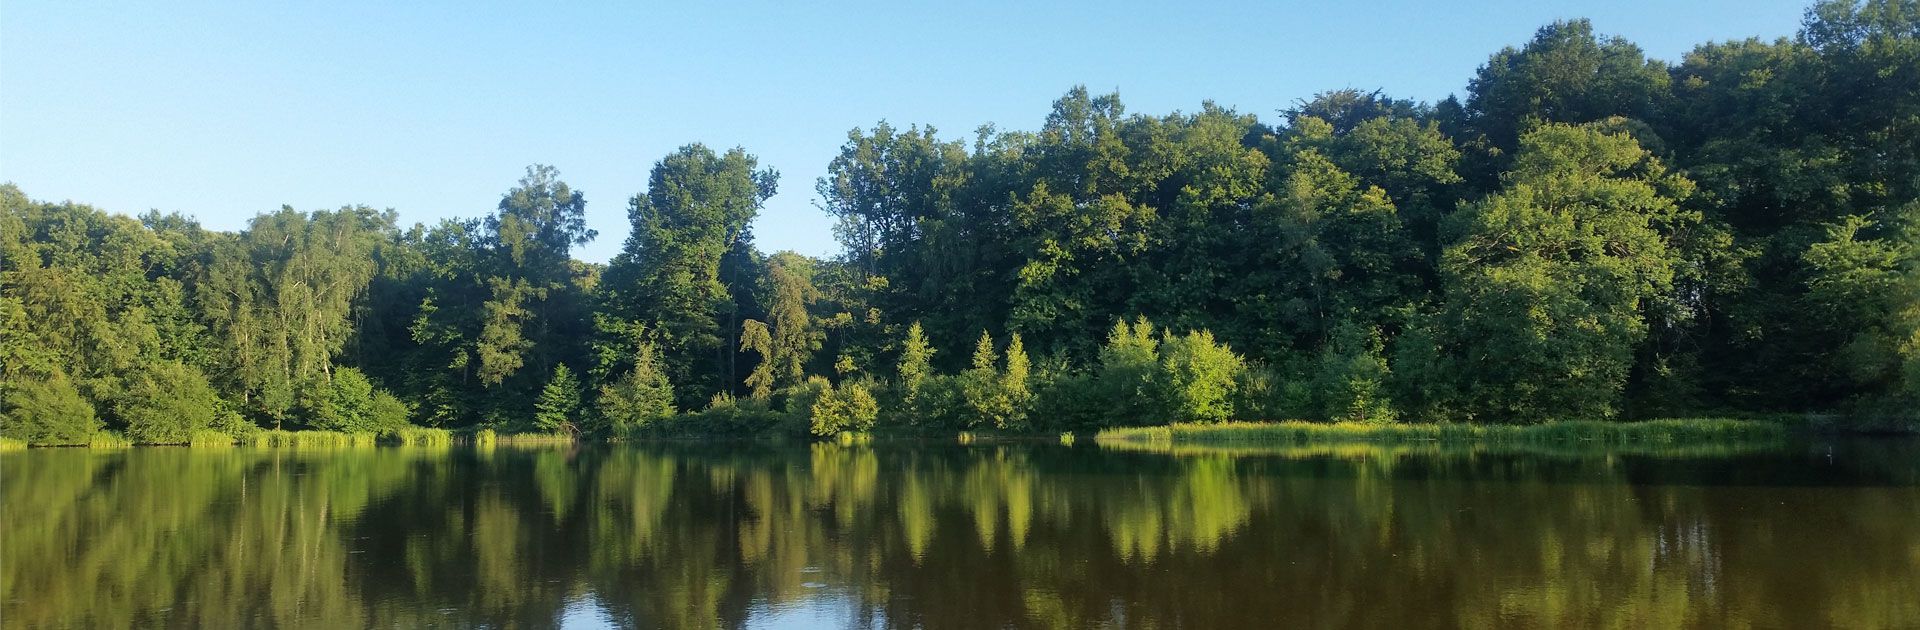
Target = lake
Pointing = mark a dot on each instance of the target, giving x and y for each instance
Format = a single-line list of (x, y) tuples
[(939, 535)]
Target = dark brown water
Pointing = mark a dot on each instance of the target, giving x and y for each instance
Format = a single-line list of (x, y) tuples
[(935, 535)]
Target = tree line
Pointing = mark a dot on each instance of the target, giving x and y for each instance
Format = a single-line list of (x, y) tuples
[(1586, 234)]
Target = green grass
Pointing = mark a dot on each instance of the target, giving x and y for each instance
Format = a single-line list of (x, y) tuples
[(1668, 431), (530, 439), (422, 436), (210, 439), (108, 439), (10, 444), (485, 438), (311, 439)]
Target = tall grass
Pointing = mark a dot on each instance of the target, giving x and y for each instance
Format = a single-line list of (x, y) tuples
[(485, 438), (10, 444), (1668, 431), (311, 439), (210, 439), (421, 436), (531, 439)]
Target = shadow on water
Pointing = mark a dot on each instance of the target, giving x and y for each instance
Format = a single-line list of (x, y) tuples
[(1025, 535)]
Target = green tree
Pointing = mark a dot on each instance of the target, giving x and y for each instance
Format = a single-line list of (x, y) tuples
[(559, 402), (1546, 280), (849, 407), (166, 403), (1353, 379), (642, 397), (916, 361), (350, 403), (1197, 378), (698, 207), (46, 411)]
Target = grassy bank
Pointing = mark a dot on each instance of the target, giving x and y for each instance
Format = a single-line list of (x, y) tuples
[(1667, 431)]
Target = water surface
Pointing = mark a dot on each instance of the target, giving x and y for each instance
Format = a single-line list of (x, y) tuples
[(938, 536)]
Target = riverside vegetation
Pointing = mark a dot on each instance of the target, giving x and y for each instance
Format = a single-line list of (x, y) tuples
[(1587, 235)]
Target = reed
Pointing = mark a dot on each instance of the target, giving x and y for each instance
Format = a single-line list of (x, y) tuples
[(530, 439), (10, 444), (421, 436), (209, 439), (1665, 431), (311, 439)]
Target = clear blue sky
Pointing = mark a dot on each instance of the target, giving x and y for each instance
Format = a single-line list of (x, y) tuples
[(225, 110)]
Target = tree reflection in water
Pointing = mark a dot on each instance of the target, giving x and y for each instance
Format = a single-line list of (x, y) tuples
[(743, 535)]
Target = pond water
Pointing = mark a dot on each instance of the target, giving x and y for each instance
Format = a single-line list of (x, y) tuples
[(920, 534)]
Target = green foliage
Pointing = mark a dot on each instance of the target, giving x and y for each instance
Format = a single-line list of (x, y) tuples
[(850, 407), (1518, 255), (421, 436), (559, 402), (108, 440), (168, 403), (1198, 377), (1128, 364), (637, 400), (1352, 384), (997, 397), (697, 210), (1668, 431), (916, 364), (46, 411), (311, 439), (349, 403), (1546, 282), (208, 438)]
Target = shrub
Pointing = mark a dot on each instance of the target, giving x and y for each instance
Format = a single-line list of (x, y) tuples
[(349, 403), (46, 411), (851, 407), (1198, 377), (726, 415), (168, 403), (1352, 382), (641, 398), (558, 402)]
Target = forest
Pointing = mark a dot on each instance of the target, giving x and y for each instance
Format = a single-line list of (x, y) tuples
[(1585, 234)]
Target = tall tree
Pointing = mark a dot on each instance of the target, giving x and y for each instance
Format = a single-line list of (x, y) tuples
[(697, 207)]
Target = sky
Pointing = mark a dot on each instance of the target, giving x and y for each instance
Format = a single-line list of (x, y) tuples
[(226, 110)]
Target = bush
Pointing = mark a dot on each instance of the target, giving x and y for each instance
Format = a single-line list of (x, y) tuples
[(1198, 377), (1352, 382), (168, 403), (851, 407), (997, 398), (1128, 365), (349, 403), (1066, 401), (46, 411), (641, 398), (558, 402), (726, 415)]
